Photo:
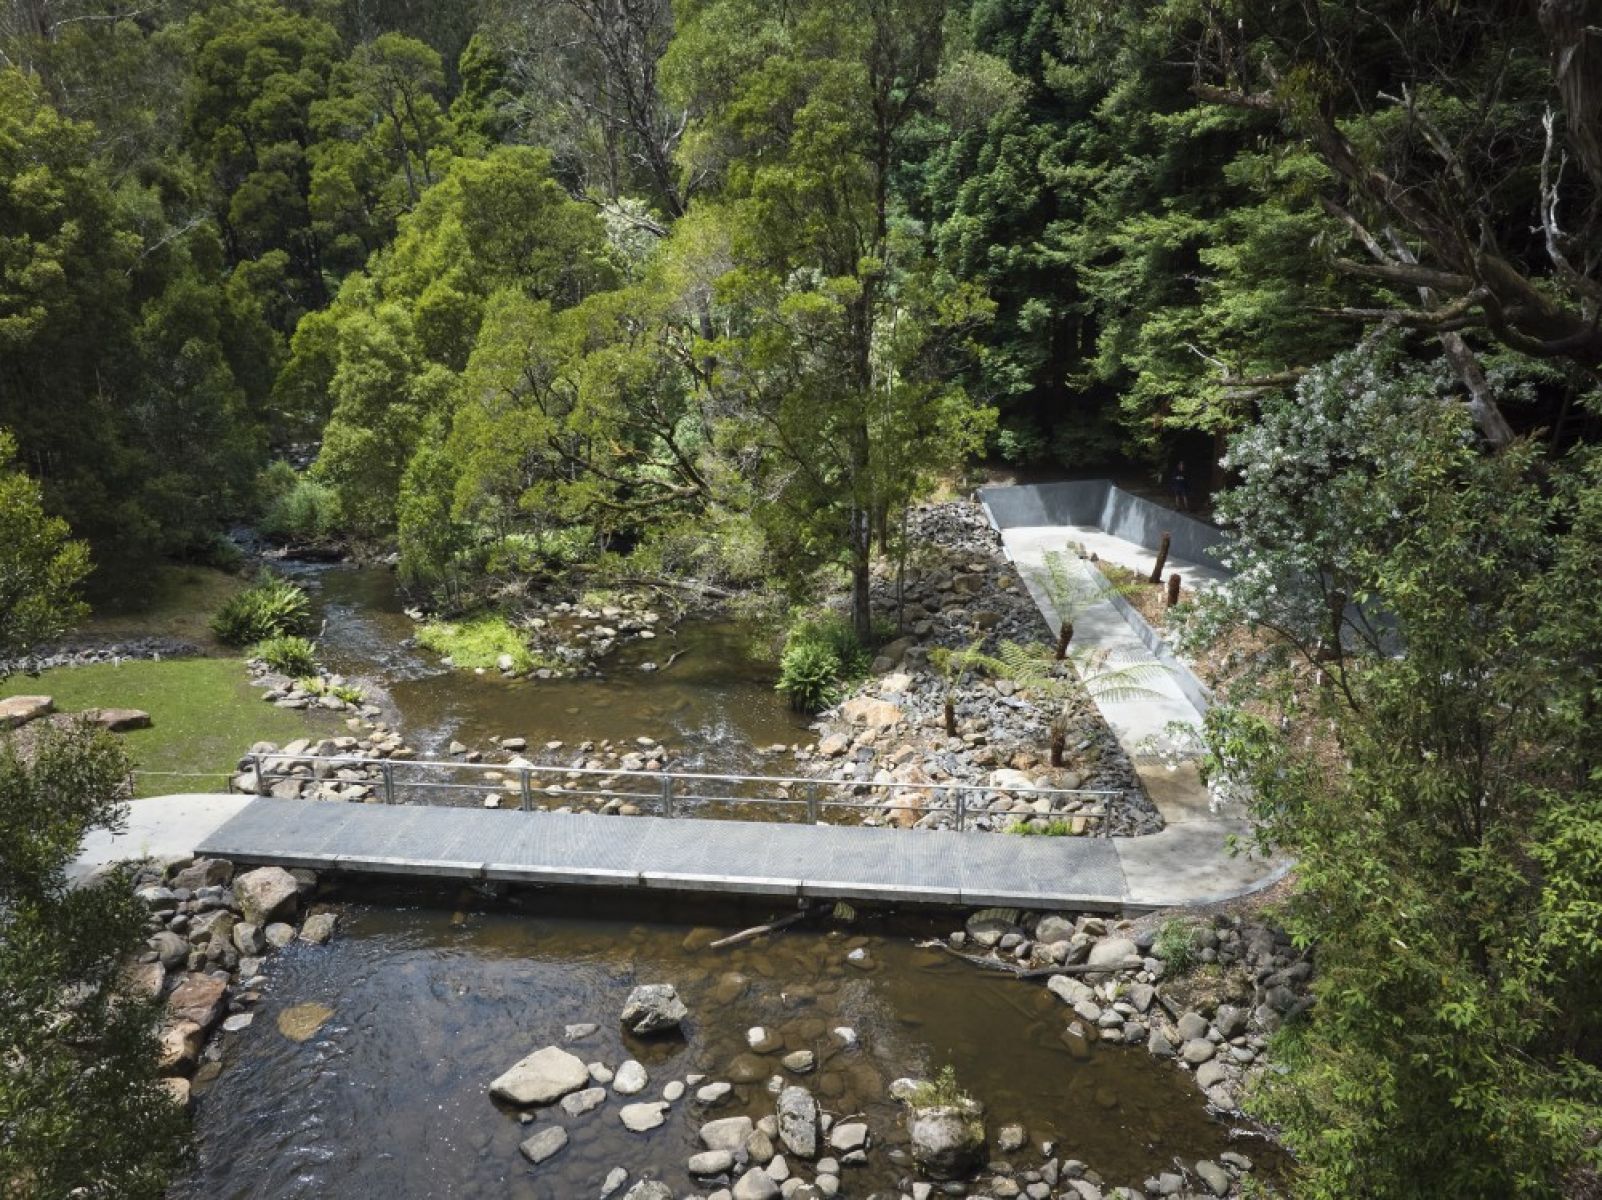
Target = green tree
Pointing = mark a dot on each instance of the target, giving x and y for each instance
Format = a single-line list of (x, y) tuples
[(82, 1112), (838, 330), (40, 568), (1450, 869)]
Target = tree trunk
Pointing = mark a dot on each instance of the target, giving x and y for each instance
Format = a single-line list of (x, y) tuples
[(951, 716), (861, 578), (1064, 636), (1162, 558)]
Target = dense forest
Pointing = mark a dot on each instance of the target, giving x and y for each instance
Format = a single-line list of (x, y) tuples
[(718, 288)]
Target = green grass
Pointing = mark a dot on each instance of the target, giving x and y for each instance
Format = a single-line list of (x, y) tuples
[(175, 601), (1176, 944), (478, 642), (203, 714)]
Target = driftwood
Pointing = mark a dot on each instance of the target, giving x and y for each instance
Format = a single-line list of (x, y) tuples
[(1023, 972), (756, 931), (672, 658)]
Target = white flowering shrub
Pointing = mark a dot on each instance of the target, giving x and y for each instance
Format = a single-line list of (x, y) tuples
[(1324, 480)]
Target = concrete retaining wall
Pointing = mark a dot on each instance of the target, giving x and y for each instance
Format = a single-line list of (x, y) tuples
[(1104, 505)]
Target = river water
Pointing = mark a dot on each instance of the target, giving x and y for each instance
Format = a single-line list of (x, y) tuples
[(713, 707), (431, 1000)]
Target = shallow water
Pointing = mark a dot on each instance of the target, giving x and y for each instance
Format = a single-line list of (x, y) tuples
[(388, 1099), (712, 707)]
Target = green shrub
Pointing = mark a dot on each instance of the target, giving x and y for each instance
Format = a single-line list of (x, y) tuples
[(1019, 440), (478, 642), (809, 676), (307, 509), (318, 686), (1176, 944), (269, 607), (288, 654), (821, 656)]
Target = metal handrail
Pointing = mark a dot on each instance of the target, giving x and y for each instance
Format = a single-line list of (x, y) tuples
[(661, 789)]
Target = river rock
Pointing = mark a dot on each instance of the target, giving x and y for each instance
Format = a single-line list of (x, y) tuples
[(19, 710), (204, 872), (755, 1184), (875, 714), (648, 1189), (630, 1079), (544, 1144), (852, 1135), (198, 998), (172, 950), (799, 1061), (653, 1008), (544, 1076), (798, 1122), (710, 1162), (713, 1093), (1214, 1176), (948, 1140), (248, 939), (279, 934), (1197, 1051), (179, 1047), (1192, 1025), (727, 1133), (1113, 953), (266, 895), (318, 929), (642, 1118), (576, 1104)]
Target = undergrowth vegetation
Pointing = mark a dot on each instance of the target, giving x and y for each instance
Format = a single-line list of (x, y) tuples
[(270, 607)]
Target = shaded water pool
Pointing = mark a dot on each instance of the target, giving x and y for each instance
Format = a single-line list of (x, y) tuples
[(712, 707), (430, 1002)]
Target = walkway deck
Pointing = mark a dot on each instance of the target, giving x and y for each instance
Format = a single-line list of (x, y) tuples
[(831, 862)]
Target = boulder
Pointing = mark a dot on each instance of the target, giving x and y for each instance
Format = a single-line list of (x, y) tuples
[(727, 1133), (170, 948), (19, 710), (755, 1184), (710, 1162), (798, 1122), (642, 1118), (204, 872), (118, 720), (833, 745), (875, 714), (1114, 953), (318, 929), (849, 1136), (948, 1140), (180, 1043), (630, 1079), (266, 895), (542, 1078), (544, 1144), (653, 1008), (198, 999)]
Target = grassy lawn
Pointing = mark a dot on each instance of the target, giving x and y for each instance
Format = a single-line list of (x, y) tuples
[(174, 601), (203, 714)]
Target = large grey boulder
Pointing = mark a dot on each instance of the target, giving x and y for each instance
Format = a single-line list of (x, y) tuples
[(266, 895), (1114, 952), (798, 1122), (948, 1140), (653, 1008), (542, 1078)]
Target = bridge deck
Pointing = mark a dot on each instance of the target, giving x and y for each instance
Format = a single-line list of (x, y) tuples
[(746, 857)]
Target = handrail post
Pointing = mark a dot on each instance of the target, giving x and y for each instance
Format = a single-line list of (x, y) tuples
[(667, 794), (812, 803), (962, 807), (389, 782), (527, 790), (259, 765)]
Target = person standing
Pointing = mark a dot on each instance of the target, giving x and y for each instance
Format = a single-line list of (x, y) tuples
[(1179, 488)]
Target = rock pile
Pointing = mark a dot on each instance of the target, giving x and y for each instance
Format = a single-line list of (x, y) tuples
[(83, 654), (890, 732), (210, 931), (319, 768)]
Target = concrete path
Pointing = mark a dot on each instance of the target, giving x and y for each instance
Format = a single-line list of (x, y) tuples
[(158, 827), (1189, 862)]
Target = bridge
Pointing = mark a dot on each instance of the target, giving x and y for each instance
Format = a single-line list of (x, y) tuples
[(666, 835)]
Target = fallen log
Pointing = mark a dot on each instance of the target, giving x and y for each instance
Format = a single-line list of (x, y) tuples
[(756, 931)]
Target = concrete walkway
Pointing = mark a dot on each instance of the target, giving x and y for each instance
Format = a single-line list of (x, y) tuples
[(158, 827), (1189, 862)]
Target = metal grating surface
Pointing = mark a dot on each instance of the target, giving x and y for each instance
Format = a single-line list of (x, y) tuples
[(757, 858)]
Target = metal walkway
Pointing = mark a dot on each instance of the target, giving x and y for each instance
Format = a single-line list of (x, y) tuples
[(741, 857)]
